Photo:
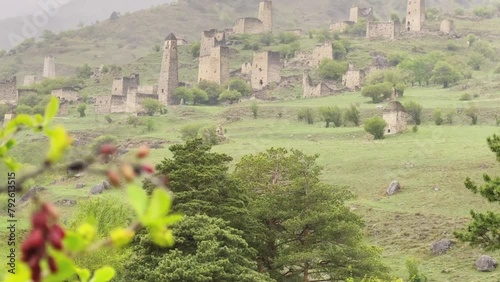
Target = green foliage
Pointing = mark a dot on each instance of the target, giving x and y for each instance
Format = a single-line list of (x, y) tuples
[(476, 60), (376, 127), (414, 274), (330, 69), (212, 89), (101, 140), (484, 48), (324, 35), (472, 112), (465, 97), (358, 29), (452, 46), (200, 96), (444, 73), (449, 116), (207, 249), (312, 230), (209, 135), (239, 85), (287, 37), (414, 109), (377, 92), (81, 109), (306, 114), (84, 72), (485, 12), (156, 48), (23, 109), (340, 49), (151, 106), (190, 131), (46, 86), (482, 231), (230, 96), (48, 36), (150, 125), (267, 38), (471, 39), (432, 14), (255, 110), (289, 50), (459, 12), (352, 114), (183, 94), (415, 128), (331, 115), (134, 121), (194, 49), (438, 117)]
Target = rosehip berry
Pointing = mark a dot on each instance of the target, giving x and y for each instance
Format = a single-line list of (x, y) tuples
[(36, 273), (128, 172), (34, 240), (55, 240), (57, 229), (50, 210), (148, 169), (108, 149), (142, 152), (52, 265), (114, 178), (39, 220)]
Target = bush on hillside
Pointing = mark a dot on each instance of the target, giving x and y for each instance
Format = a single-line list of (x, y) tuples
[(376, 127)]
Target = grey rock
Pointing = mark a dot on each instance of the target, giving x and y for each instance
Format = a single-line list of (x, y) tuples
[(65, 202), (79, 186), (106, 185), (98, 189), (394, 188), (441, 247), (31, 193), (486, 264)]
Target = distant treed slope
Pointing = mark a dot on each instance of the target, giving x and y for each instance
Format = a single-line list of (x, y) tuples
[(66, 17)]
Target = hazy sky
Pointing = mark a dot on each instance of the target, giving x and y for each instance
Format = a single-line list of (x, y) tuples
[(18, 7)]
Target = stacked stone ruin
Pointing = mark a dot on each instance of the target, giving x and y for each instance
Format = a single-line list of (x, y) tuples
[(264, 23)]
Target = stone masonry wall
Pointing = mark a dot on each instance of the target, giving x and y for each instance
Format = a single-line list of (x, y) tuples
[(49, 67), (266, 15), (321, 52), (210, 39), (266, 69), (447, 27), (248, 26), (29, 80), (311, 90), (8, 91), (66, 94), (215, 68), (103, 105), (385, 30), (169, 74), (415, 15)]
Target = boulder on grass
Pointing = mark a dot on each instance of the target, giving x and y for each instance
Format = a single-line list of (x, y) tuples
[(394, 188), (486, 264), (441, 247)]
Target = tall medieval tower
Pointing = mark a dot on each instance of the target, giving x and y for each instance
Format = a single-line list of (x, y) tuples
[(415, 16), (266, 14), (49, 67), (169, 74)]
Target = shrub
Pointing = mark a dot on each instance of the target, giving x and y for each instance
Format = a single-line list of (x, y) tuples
[(377, 92), (485, 12), (267, 38), (24, 109), (331, 115), (472, 112), (413, 272), (209, 135), (449, 116), (476, 60), (151, 106), (230, 96), (212, 89), (330, 69), (239, 85), (414, 109), (194, 49), (353, 115), (307, 115), (438, 117), (255, 110), (96, 144), (199, 95), (376, 127), (452, 46), (84, 72), (81, 110), (287, 37), (415, 128), (190, 131), (108, 119), (465, 97), (134, 121), (150, 125)]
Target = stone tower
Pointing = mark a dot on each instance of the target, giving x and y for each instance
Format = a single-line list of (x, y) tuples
[(49, 67), (415, 16), (169, 74), (266, 14), (215, 68)]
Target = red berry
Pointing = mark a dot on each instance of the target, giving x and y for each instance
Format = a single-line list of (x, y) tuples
[(34, 240), (128, 172), (58, 229), (108, 149), (55, 239), (114, 178), (36, 273), (52, 265), (39, 220), (148, 169), (142, 152), (50, 210)]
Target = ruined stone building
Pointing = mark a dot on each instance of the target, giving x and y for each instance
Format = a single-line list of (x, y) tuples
[(415, 15), (321, 52), (385, 30), (8, 91), (353, 78), (30, 80), (121, 85), (396, 118), (49, 67), (340, 27), (210, 39), (264, 23), (246, 68), (266, 69), (66, 95), (169, 74), (311, 90), (215, 67), (356, 13), (447, 27)]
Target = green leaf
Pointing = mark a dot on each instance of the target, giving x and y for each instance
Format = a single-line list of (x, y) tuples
[(12, 164), (171, 219), (83, 274), (22, 274), (59, 142), (162, 237), (103, 274), (22, 119), (51, 110), (138, 199), (65, 266), (11, 143), (159, 206), (74, 242)]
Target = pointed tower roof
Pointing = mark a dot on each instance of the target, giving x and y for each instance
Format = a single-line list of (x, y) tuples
[(171, 37)]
